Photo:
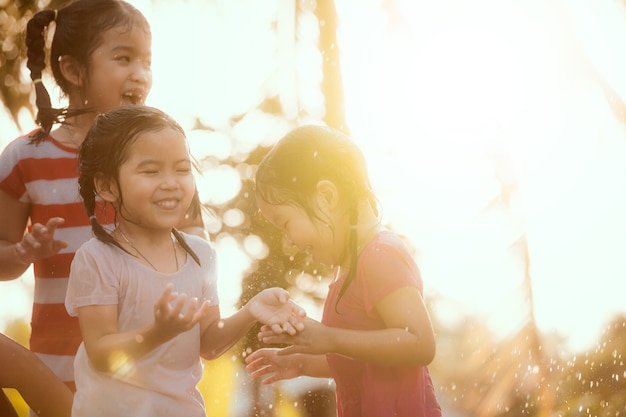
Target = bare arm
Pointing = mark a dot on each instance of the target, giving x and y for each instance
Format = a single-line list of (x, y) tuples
[(408, 339), (271, 307), (275, 367), (13, 218), (42, 390), (219, 335), (103, 342), (18, 249)]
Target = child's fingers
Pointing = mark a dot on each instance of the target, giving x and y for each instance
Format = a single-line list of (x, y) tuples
[(190, 314), (179, 303), (276, 328), (293, 326), (297, 310), (266, 331), (45, 232), (166, 295), (163, 303), (28, 242), (53, 223), (38, 231), (204, 307), (198, 312), (283, 296), (274, 338)]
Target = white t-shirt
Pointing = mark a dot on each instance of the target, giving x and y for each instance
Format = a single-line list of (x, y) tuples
[(162, 383)]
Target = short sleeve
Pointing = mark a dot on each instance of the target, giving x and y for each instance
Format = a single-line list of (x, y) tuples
[(11, 179), (384, 268), (208, 264), (92, 279)]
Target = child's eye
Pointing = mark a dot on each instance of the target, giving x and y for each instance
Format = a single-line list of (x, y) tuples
[(123, 58), (183, 169)]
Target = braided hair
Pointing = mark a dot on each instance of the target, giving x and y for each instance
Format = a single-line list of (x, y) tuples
[(78, 31), (105, 149), (289, 173)]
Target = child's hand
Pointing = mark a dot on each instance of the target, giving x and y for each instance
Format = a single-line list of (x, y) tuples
[(314, 338), (273, 308), (40, 242), (269, 362), (168, 312)]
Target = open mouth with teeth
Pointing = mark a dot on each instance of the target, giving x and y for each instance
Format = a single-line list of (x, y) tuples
[(168, 204), (132, 98)]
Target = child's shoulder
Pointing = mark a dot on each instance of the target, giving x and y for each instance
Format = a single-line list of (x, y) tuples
[(18, 142), (23, 139), (388, 241), (23, 147), (95, 246), (388, 238), (196, 243)]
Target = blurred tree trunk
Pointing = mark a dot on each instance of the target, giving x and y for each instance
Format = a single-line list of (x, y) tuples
[(529, 376), (332, 83)]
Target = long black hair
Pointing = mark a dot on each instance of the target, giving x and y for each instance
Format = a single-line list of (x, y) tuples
[(78, 32), (106, 147), (289, 173)]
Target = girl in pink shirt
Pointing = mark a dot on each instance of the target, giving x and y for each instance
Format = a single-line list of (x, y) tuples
[(375, 338)]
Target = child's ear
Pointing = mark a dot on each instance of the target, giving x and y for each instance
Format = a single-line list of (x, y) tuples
[(72, 70), (106, 188), (327, 194)]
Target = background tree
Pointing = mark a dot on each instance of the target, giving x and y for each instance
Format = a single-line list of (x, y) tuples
[(479, 372)]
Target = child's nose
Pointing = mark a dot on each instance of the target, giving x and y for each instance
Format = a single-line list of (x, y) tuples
[(170, 181), (141, 73)]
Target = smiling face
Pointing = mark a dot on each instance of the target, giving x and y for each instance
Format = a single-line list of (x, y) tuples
[(324, 238), (156, 180), (119, 69)]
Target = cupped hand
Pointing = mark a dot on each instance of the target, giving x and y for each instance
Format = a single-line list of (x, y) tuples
[(273, 308), (268, 363), (40, 243), (169, 316), (313, 338)]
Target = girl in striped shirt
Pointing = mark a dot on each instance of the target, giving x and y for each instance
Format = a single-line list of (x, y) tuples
[(100, 59)]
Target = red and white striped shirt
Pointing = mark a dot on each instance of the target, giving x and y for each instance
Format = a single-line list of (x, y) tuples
[(46, 177)]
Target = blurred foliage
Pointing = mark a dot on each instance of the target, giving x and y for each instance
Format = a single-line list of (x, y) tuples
[(524, 374), (14, 88), (15, 84), (483, 376)]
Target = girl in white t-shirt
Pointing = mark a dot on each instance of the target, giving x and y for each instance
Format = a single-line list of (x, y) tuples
[(145, 294)]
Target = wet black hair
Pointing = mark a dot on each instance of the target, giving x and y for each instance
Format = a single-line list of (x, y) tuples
[(78, 32), (289, 173), (105, 149)]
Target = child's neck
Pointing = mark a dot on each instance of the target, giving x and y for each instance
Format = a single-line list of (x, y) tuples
[(144, 236), (156, 249), (75, 129), (367, 228), (366, 233)]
